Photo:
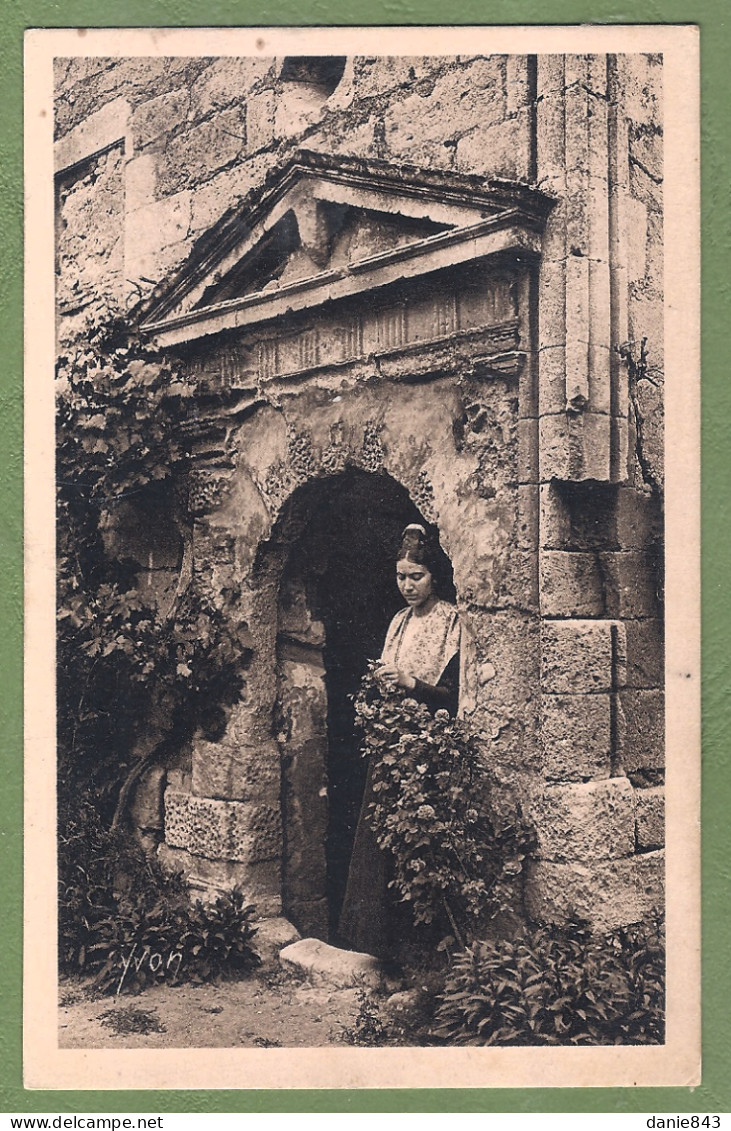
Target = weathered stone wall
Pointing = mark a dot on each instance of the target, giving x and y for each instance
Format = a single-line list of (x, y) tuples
[(547, 485), (202, 132)]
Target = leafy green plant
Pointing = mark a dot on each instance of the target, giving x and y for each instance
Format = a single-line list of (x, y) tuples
[(138, 948), (131, 1020), (122, 919), (368, 1029), (551, 986), (457, 839), (100, 872), (134, 680)]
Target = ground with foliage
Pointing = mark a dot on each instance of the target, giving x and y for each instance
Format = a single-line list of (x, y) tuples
[(545, 987), (265, 1011)]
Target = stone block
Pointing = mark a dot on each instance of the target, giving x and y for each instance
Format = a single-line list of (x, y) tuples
[(227, 188), (528, 384), (576, 737), (457, 104), (577, 324), (311, 916), (620, 447), (194, 156), (489, 72), (632, 584), (179, 780), (527, 533), (552, 305), (655, 253), (146, 809), (272, 935), (638, 519), (517, 85), (157, 264), (637, 238), (647, 150), (260, 883), (645, 654), (226, 81), (298, 105), (550, 129), (330, 966), (552, 378), (643, 745), (649, 400), (641, 84), (528, 451), (609, 895), (140, 181), (575, 446), (158, 116), (580, 655), (619, 645), (647, 320), (586, 821), (373, 75), (176, 818), (159, 224), (500, 150), (260, 121), (97, 131), (555, 518), (571, 584), (650, 818), (519, 584), (236, 771), (501, 644), (222, 830)]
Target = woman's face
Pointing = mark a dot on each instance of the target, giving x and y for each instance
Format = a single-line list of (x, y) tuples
[(415, 582)]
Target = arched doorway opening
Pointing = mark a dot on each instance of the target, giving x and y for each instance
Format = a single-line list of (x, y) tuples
[(335, 544)]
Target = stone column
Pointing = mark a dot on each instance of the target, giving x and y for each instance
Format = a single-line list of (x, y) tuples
[(582, 312), (597, 841), (223, 822)]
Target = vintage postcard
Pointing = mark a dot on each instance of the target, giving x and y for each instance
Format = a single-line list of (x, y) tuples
[(362, 549)]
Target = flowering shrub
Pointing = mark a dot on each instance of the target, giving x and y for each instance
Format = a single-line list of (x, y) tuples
[(553, 986), (457, 840)]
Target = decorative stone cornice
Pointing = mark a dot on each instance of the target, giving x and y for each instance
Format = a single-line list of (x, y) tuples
[(440, 221)]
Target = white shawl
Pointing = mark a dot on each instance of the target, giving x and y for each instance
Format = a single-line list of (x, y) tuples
[(423, 646)]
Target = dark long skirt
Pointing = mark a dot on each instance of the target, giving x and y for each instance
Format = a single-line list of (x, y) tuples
[(366, 915)]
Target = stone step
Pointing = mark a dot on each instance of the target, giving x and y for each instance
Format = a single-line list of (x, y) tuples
[(271, 935), (328, 965)]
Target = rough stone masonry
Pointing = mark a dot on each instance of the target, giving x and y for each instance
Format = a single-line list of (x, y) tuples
[(408, 288)]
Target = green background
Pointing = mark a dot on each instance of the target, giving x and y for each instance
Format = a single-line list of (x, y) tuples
[(713, 17)]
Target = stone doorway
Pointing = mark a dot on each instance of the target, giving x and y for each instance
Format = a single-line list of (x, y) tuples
[(336, 542)]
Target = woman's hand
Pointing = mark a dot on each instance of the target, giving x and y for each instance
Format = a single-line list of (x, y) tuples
[(391, 674)]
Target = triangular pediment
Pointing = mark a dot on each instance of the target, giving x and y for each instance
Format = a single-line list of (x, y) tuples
[(335, 223)]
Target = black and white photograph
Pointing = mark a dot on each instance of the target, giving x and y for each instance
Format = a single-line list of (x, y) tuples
[(364, 553)]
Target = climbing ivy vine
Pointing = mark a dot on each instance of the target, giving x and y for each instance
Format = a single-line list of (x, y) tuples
[(134, 680)]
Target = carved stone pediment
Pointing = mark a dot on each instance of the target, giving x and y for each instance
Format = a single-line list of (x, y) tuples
[(323, 228)]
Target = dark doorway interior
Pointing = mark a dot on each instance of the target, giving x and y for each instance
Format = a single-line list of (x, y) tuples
[(343, 536)]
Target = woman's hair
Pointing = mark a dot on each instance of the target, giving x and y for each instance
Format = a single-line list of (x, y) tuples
[(421, 546)]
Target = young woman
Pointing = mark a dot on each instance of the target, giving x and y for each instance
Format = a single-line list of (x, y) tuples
[(420, 654)]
